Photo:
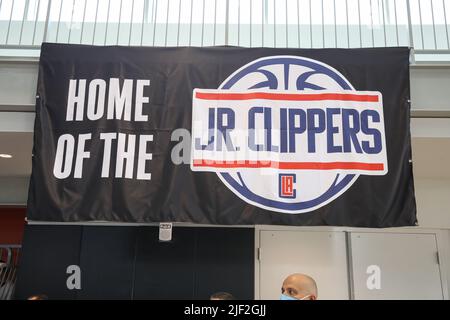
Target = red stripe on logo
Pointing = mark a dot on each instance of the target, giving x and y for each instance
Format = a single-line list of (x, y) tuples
[(289, 165), (287, 96)]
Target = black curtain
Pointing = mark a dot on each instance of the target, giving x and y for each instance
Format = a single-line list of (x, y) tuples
[(118, 262)]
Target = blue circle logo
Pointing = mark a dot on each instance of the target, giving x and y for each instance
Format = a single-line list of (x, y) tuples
[(304, 190)]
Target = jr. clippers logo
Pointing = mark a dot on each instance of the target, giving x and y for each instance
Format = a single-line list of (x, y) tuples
[(288, 133)]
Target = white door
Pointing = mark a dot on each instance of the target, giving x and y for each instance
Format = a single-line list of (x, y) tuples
[(321, 255), (395, 266)]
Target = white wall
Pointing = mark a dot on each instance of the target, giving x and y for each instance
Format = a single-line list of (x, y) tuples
[(18, 82), (431, 166), (289, 249), (13, 190), (429, 87), (433, 202)]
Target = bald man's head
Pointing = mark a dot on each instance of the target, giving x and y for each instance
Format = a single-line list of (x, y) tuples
[(300, 286)]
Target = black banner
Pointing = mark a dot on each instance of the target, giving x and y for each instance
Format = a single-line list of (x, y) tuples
[(223, 135)]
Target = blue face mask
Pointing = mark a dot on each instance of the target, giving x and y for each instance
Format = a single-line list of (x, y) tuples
[(286, 297)]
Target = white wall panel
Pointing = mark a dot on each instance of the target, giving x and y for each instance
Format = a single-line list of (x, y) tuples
[(406, 265), (322, 255)]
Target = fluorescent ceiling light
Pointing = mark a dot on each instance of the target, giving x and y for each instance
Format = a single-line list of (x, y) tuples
[(5, 155)]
